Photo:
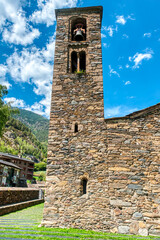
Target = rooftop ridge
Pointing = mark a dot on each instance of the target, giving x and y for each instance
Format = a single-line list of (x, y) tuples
[(137, 114)]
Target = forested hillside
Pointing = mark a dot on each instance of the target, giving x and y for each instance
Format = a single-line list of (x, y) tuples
[(38, 124), (18, 139)]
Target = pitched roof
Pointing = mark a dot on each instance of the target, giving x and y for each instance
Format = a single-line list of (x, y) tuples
[(9, 164), (137, 114), (7, 155)]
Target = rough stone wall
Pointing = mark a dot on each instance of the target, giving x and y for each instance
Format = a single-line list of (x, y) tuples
[(118, 158), (17, 195), (133, 161)]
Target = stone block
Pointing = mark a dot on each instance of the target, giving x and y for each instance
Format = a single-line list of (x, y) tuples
[(120, 203), (137, 215), (123, 229), (143, 231)]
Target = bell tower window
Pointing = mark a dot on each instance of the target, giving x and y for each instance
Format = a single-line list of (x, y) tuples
[(82, 61), (74, 62), (78, 29), (78, 62)]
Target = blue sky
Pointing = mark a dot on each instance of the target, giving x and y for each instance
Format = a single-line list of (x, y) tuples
[(130, 49)]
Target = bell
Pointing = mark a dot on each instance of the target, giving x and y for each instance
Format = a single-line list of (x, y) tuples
[(78, 36)]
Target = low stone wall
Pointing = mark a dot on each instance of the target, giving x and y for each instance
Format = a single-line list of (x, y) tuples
[(18, 206), (17, 195)]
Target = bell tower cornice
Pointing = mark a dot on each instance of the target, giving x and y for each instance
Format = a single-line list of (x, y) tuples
[(70, 11)]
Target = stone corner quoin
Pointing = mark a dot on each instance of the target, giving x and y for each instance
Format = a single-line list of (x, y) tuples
[(102, 174)]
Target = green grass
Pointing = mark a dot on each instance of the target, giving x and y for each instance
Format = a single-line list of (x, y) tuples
[(39, 173), (33, 215)]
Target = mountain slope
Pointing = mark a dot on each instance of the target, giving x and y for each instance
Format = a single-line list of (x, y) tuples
[(19, 140), (39, 125)]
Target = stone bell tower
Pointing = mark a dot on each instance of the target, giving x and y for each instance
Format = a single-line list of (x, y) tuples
[(73, 185)]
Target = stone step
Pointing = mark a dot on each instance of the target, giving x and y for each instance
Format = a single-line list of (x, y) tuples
[(19, 206)]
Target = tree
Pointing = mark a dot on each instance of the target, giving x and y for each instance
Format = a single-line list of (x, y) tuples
[(5, 109)]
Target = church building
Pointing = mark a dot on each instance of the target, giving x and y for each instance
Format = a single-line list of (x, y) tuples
[(102, 174)]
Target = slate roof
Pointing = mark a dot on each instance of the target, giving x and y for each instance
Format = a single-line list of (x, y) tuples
[(7, 155), (137, 114), (9, 164)]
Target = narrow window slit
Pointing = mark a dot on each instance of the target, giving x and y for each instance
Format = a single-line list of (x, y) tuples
[(76, 127), (83, 188)]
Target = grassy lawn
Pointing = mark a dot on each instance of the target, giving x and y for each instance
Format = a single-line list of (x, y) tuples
[(24, 225), (37, 173)]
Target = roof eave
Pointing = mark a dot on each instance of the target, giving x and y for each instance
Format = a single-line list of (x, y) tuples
[(136, 114)]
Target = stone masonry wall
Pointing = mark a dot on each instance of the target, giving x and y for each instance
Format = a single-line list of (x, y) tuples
[(133, 161), (123, 192), (119, 158), (17, 195)]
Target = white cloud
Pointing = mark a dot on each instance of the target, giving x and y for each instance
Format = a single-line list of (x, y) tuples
[(112, 71), (106, 45), (139, 57), (118, 111), (5, 83), (36, 108), (148, 35), (131, 17), (103, 35), (110, 30), (127, 83), (127, 66), (125, 36), (111, 112), (121, 20), (14, 25), (3, 72), (35, 67), (19, 103), (46, 10)]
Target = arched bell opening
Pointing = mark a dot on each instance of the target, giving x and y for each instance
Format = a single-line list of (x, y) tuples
[(78, 29), (82, 56), (74, 61)]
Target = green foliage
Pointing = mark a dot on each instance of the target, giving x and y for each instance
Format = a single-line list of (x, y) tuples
[(5, 110), (6, 148), (25, 143), (80, 72), (21, 139), (39, 125), (42, 176), (40, 166)]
